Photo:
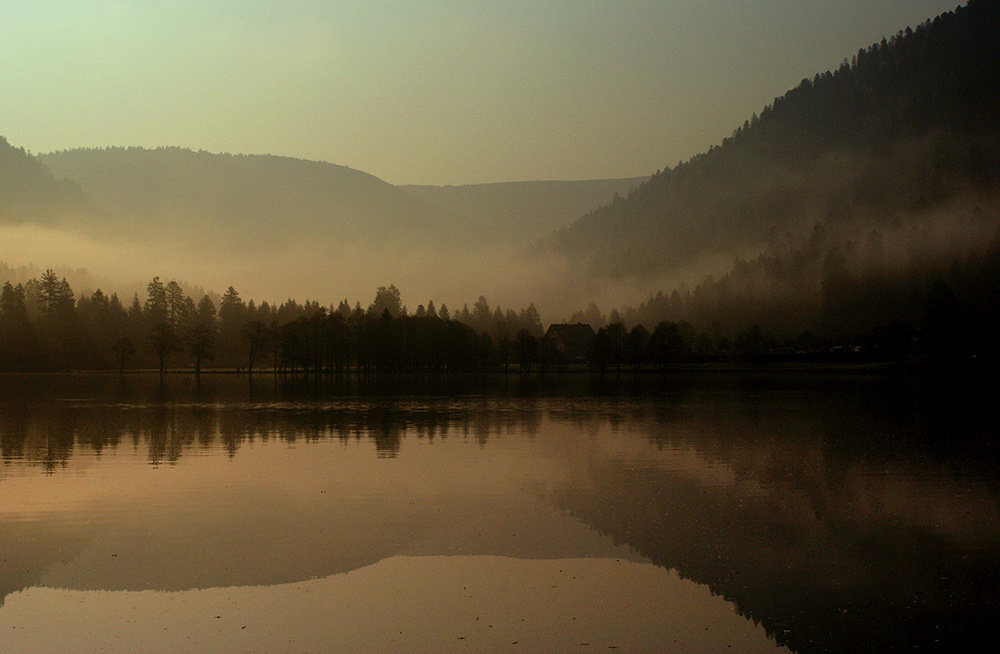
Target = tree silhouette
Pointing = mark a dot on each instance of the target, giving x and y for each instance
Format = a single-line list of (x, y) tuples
[(124, 352), (666, 344), (17, 337), (255, 335), (164, 341), (527, 349), (156, 302), (601, 350), (201, 336), (232, 315), (55, 295), (616, 338), (386, 299), (531, 321), (636, 344), (176, 303)]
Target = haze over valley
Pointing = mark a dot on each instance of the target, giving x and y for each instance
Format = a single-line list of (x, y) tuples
[(882, 171), (473, 326)]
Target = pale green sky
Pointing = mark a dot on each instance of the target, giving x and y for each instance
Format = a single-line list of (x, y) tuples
[(448, 92)]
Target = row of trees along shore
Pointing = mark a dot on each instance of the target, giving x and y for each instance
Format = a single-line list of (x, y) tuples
[(44, 327)]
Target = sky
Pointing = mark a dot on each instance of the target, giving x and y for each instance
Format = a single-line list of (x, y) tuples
[(448, 92)]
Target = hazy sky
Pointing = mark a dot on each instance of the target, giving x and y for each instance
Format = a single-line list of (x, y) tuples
[(443, 92)]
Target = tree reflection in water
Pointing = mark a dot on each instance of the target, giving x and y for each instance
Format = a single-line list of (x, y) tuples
[(840, 514)]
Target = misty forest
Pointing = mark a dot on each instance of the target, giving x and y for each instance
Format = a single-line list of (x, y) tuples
[(252, 402), (858, 212)]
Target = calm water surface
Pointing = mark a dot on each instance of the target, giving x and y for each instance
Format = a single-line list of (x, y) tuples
[(719, 513)]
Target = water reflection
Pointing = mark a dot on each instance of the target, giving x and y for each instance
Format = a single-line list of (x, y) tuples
[(47, 435), (409, 604), (839, 514)]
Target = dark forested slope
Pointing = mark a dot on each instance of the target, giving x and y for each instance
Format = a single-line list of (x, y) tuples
[(902, 128)]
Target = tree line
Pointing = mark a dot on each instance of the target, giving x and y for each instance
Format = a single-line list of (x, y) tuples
[(822, 295), (817, 297), (44, 326)]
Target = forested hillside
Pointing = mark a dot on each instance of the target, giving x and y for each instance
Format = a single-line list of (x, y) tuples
[(861, 209), (285, 226), (898, 130), (28, 190), (242, 202), (280, 199)]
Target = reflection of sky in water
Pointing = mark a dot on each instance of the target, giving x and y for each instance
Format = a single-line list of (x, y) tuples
[(425, 604), (277, 513), (323, 544), (827, 518)]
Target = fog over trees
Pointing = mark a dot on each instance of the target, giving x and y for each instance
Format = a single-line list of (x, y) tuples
[(859, 209), (287, 226), (45, 326), (894, 136), (29, 190)]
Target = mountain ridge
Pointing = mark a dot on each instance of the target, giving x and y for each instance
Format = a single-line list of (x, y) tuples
[(266, 196), (906, 124), (29, 190), (499, 208), (184, 187)]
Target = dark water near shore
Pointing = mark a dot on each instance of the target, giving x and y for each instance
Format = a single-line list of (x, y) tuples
[(704, 513)]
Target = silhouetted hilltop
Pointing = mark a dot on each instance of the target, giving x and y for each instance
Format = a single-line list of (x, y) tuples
[(29, 190), (903, 127), (523, 211), (251, 201)]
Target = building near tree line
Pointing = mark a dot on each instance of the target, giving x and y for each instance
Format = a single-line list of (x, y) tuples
[(570, 340)]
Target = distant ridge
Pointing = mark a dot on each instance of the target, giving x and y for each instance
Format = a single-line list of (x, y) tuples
[(273, 200), (523, 211), (905, 125), (251, 200), (29, 190)]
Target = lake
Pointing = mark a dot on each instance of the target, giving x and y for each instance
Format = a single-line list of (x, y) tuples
[(698, 513)]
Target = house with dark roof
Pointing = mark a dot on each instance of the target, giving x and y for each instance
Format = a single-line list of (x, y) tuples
[(570, 342)]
